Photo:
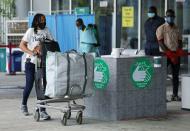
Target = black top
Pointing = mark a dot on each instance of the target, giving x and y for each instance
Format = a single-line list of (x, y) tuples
[(151, 26)]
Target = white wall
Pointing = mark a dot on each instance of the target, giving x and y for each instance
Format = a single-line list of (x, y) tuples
[(22, 8), (41, 6)]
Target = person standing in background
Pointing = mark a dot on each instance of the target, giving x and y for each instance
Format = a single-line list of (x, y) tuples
[(88, 38), (150, 26), (170, 41)]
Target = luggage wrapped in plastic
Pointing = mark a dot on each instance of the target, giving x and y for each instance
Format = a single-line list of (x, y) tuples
[(69, 74)]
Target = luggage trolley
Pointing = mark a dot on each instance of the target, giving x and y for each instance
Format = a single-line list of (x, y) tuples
[(40, 85)]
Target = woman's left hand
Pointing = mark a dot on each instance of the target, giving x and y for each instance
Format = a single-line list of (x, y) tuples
[(37, 50)]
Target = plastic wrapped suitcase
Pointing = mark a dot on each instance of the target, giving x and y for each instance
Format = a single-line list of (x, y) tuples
[(69, 74)]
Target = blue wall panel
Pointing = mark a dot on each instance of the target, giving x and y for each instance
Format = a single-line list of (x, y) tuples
[(64, 30)]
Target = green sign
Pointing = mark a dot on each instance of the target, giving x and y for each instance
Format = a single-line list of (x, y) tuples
[(141, 73), (82, 10), (101, 74)]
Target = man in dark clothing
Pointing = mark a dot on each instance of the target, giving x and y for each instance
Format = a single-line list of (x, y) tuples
[(150, 26)]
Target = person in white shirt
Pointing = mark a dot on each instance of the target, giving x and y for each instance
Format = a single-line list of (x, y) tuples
[(30, 45)]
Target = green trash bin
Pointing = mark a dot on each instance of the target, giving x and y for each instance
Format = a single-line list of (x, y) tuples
[(2, 60)]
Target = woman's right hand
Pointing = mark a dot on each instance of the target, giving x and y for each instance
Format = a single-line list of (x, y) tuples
[(23, 47)]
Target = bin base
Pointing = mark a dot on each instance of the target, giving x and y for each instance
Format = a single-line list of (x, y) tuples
[(185, 109)]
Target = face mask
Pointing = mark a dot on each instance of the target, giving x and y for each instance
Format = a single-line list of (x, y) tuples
[(80, 27), (42, 25), (170, 20), (151, 15)]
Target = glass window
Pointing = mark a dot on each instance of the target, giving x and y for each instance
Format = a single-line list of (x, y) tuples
[(103, 10), (171, 4), (182, 10), (178, 8), (127, 36), (186, 17), (61, 6), (104, 23), (182, 21), (80, 3)]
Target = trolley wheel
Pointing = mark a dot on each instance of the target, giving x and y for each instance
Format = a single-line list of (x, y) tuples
[(79, 117), (37, 115), (64, 119), (69, 114)]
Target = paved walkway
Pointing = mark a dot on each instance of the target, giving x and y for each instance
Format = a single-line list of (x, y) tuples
[(11, 86), (11, 119)]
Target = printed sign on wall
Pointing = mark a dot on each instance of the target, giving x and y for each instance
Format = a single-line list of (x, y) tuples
[(128, 16)]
